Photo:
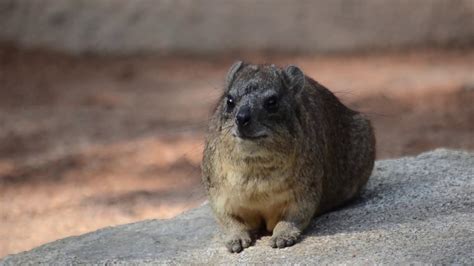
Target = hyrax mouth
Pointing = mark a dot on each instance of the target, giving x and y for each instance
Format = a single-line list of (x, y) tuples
[(243, 136)]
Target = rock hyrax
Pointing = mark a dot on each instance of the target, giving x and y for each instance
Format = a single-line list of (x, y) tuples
[(281, 148)]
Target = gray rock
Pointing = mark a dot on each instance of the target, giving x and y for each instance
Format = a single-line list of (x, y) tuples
[(213, 26), (414, 209)]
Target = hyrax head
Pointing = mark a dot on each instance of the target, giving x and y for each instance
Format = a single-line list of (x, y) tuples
[(259, 103)]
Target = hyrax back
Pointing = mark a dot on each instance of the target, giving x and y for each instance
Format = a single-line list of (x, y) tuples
[(281, 148)]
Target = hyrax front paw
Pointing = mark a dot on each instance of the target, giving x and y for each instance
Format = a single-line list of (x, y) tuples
[(237, 242), (284, 235)]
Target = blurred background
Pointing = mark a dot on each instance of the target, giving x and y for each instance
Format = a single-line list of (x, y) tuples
[(104, 103)]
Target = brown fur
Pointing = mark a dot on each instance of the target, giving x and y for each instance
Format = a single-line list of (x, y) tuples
[(318, 156)]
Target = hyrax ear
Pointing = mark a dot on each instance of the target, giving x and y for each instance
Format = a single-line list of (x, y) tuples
[(294, 78), (232, 72)]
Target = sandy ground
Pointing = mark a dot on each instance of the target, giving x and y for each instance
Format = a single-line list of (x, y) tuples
[(88, 142)]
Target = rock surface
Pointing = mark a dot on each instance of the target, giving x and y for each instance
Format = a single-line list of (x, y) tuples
[(212, 26), (414, 209)]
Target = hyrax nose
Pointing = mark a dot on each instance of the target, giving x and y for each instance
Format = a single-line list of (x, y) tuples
[(243, 116)]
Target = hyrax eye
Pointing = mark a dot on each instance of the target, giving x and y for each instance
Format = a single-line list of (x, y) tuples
[(230, 103), (271, 104)]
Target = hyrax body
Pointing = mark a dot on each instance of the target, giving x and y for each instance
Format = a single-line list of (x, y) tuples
[(281, 148)]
